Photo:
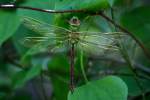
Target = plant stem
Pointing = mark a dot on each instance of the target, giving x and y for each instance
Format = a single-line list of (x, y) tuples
[(82, 67)]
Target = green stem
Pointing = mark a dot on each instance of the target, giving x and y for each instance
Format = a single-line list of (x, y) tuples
[(82, 67)]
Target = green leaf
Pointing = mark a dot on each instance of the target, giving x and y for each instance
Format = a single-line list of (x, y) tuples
[(111, 2), (94, 5), (59, 83), (108, 88), (138, 22), (23, 76), (58, 67), (9, 22), (23, 32), (46, 17), (63, 64), (134, 89)]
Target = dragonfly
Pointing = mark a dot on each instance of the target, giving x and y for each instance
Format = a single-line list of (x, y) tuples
[(54, 37)]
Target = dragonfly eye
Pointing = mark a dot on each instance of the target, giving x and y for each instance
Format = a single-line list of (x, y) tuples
[(74, 21)]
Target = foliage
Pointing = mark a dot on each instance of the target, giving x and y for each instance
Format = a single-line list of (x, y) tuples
[(104, 89), (45, 75)]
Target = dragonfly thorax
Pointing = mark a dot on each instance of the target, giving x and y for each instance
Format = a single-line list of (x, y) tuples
[(74, 27), (73, 37)]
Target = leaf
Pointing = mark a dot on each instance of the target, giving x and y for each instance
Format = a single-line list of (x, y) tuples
[(9, 23), (23, 76), (125, 73), (36, 14), (58, 67), (111, 2), (134, 89), (59, 83), (108, 88), (138, 22), (23, 32), (94, 5), (63, 64)]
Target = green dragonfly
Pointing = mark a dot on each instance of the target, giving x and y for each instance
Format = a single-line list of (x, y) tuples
[(53, 38)]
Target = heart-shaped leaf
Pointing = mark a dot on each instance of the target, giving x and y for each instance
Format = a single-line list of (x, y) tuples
[(108, 88)]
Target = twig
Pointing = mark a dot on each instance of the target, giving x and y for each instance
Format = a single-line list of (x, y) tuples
[(12, 6), (126, 31)]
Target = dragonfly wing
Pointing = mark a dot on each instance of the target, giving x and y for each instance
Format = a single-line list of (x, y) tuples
[(100, 39), (97, 44), (106, 34), (44, 46), (31, 41), (43, 28), (40, 47)]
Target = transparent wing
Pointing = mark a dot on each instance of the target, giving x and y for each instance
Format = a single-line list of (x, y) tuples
[(48, 39), (31, 41), (48, 33), (43, 28), (98, 43), (45, 46), (99, 46), (101, 33)]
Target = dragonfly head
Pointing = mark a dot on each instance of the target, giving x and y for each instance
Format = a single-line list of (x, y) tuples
[(74, 21)]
